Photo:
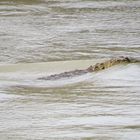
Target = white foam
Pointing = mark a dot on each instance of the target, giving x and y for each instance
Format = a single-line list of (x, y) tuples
[(4, 97)]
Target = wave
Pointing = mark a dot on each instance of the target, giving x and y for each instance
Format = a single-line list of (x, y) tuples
[(26, 75)]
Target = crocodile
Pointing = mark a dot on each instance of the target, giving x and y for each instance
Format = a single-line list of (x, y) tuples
[(95, 68)]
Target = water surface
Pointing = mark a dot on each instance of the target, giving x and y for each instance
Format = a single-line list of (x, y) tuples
[(43, 37)]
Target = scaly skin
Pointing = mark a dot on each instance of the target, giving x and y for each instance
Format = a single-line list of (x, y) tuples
[(95, 68)]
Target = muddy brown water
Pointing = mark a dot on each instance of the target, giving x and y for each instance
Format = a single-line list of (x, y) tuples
[(43, 37)]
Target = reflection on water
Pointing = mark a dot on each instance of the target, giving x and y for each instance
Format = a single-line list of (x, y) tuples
[(104, 105)]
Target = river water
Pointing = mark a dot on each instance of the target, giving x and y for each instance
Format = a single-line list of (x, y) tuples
[(43, 37)]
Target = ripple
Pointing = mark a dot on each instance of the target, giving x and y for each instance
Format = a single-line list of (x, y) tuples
[(95, 106)]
